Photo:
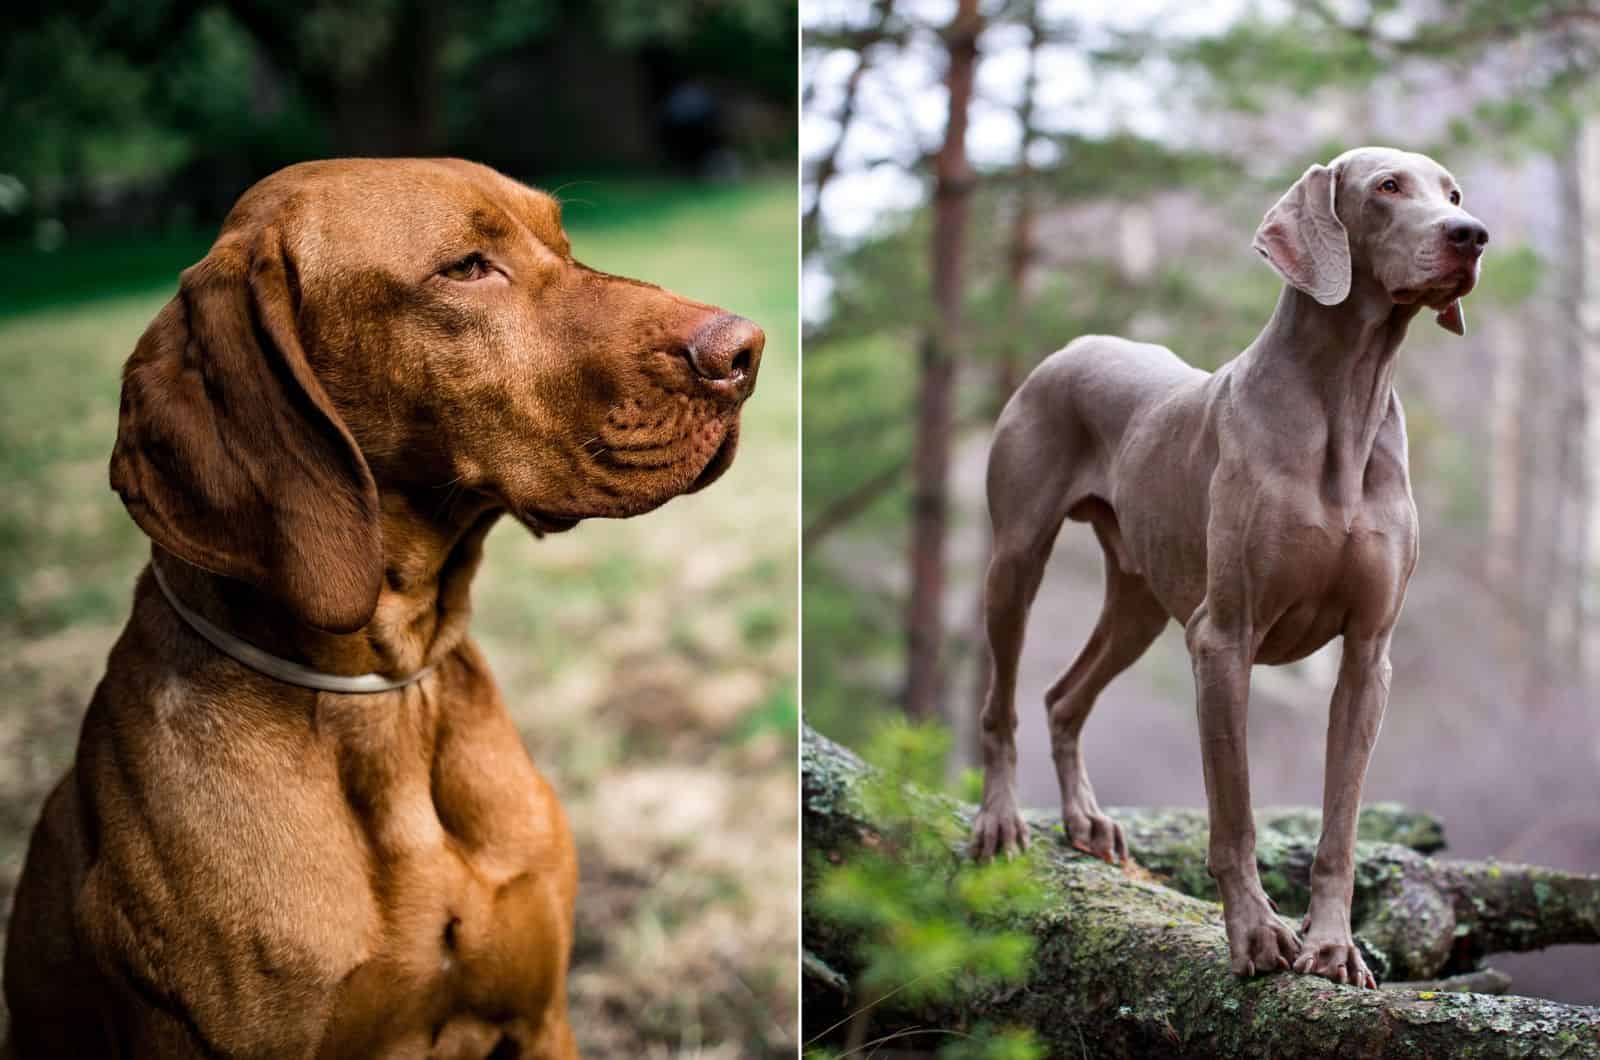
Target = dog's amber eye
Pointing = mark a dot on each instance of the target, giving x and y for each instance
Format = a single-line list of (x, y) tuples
[(1455, 198), (471, 267), (1391, 185)]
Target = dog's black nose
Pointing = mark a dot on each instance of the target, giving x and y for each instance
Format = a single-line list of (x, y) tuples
[(1466, 234), (726, 351)]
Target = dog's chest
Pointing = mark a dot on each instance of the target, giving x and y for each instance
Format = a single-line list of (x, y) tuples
[(1333, 567), (392, 879), (466, 954), (471, 893)]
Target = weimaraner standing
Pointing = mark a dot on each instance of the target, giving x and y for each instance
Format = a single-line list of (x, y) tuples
[(1266, 506)]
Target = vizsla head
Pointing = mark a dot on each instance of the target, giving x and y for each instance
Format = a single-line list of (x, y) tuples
[(367, 326), (1392, 215)]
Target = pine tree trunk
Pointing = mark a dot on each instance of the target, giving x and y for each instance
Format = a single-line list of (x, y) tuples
[(953, 180)]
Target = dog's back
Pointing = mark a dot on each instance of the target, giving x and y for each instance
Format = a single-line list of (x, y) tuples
[(1060, 432)]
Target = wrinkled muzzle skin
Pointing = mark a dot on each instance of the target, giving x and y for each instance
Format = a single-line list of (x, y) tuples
[(1403, 214), (504, 366)]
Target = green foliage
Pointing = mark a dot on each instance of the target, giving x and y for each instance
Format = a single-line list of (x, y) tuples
[(1538, 113), (61, 100), (1311, 49), (1125, 166), (884, 277), (852, 651), (1511, 277), (93, 96), (136, 92), (95, 267), (987, 1043), (66, 548), (778, 713), (865, 389), (747, 40), (761, 623), (1297, 53), (932, 924), (857, 424)]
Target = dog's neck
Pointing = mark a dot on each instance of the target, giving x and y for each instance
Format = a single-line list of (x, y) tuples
[(1332, 365), (423, 607)]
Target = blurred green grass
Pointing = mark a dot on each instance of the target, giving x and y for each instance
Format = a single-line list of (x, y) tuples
[(93, 268), (648, 662)]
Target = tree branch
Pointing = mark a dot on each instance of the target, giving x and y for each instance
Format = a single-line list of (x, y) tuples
[(846, 508), (1453, 37), (1128, 967), (1428, 916)]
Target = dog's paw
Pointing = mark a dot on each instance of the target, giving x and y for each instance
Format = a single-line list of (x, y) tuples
[(1337, 959), (998, 831), (1260, 945), (1096, 834)]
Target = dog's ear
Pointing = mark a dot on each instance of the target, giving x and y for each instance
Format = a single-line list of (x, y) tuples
[(1452, 319), (229, 453), (1303, 238)]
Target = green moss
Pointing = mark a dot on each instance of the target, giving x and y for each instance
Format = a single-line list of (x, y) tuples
[(1136, 968)]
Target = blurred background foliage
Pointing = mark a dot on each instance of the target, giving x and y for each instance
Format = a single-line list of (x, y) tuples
[(651, 673), (1115, 161), (928, 922), (154, 113)]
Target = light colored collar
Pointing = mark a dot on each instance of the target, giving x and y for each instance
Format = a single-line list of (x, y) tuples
[(291, 673)]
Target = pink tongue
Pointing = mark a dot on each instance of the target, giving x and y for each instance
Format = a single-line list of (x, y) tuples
[(1451, 319)]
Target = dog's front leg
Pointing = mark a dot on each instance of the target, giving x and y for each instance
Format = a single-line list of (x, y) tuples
[(1359, 698), (1257, 940)]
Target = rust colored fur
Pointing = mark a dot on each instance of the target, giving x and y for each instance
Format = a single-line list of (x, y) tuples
[(317, 433)]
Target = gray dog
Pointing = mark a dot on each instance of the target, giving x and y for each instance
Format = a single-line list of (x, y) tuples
[(1266, 506)]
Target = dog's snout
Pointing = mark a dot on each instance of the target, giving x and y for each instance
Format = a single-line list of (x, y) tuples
[(1466, 234), (726, 351)]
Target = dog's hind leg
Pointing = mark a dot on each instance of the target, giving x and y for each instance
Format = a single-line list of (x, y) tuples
[(1130, 620), (1027, 503)]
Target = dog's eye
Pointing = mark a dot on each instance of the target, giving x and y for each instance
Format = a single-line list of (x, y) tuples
[(471, 267), (1391, 186), (1455, 198)]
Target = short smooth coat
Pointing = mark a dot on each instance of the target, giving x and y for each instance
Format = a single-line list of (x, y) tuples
[(1266, 506), (375, 362), (1142, 416)]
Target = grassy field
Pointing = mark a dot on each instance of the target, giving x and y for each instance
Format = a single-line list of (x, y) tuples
[(649, 663)]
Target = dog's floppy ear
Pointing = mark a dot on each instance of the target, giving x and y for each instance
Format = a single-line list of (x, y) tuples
[(1303, 238), (1452, 319), (229, 453)]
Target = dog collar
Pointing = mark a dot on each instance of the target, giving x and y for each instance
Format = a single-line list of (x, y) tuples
[(291, 673)]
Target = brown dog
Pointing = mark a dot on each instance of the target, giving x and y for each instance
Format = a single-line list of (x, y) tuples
[(375, 361)]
